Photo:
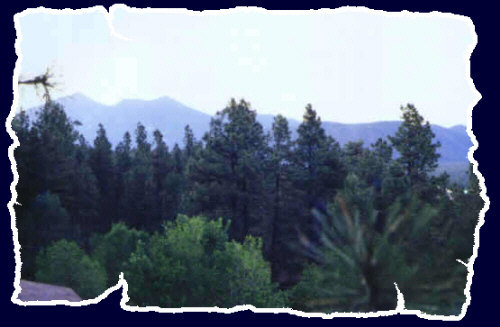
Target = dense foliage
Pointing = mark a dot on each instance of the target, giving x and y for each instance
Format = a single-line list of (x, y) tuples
[(192, 263), (65, 263), (334, 227)]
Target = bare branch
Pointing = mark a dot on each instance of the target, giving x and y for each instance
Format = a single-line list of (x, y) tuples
[(44, 80)]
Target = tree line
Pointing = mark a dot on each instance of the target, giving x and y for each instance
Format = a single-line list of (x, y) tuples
[(275, 221)]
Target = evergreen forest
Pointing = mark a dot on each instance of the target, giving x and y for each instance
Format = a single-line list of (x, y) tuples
[(244, 216)]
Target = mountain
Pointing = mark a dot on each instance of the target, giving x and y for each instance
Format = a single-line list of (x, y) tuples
[(163, 113), (171, 116)]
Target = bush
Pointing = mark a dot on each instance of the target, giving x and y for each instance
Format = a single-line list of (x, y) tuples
[(192, 263), (247, 276), (114, 248), (64, 263)]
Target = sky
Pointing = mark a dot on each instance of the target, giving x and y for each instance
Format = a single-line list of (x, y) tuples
[(352, 65)]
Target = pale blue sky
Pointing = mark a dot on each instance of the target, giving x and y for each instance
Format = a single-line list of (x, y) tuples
[(352, 66)]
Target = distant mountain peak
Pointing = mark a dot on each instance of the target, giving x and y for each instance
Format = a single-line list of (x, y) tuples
[(160, 100), (76, 97), (165, 98)]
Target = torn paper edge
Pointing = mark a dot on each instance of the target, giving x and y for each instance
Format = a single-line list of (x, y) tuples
[(400, 308)]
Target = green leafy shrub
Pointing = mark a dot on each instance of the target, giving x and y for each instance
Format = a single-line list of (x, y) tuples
[(192, 263), (114, 248), (64, 263)]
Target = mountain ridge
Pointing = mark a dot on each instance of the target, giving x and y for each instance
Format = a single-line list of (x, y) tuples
[(171, 116)]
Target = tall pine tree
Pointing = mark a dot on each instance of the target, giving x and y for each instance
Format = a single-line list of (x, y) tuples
[(414, 143), (318, 172), (101, 162), (283, 244), (229, 173)]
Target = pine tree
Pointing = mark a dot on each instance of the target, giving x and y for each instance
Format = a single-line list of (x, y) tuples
[(462, 207), (359, 262), (123, 154), (191, 153), (101, 162), (229, 172), (54, 137), (176, 182), (190, 142), (83, 202), (318, 171), (414, 142), (283, 241), (29, 178), (281, 151), (139, 195), (162, 165), (54, 140), (123, 164)]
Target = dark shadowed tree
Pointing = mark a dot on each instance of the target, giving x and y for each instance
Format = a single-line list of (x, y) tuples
[(101, 162), (60, 170), (123, 164), (283, 244), (317, 173), (414, 142), (162, 165), (140, 185), (229, 172)]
